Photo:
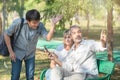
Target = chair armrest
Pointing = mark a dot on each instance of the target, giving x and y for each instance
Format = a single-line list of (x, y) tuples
[(42, 74), (100, 78)]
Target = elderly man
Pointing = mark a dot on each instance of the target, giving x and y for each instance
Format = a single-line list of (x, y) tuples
[(81, 61)]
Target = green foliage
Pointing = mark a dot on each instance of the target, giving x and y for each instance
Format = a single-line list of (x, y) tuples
[(49, 2), (14, 5), (108, 4), (30, 4), (67, 8), (0, 5)]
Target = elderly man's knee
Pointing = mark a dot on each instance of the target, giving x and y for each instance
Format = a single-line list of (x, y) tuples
[(57, 73)]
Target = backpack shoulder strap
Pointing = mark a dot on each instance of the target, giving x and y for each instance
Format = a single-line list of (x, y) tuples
[(21, 25)]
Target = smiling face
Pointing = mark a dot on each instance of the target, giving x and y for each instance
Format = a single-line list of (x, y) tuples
[(76, 34), (33, 24), (33, 18), (68, 40)]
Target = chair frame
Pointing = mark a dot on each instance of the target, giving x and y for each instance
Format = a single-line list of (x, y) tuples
[(42, 74)]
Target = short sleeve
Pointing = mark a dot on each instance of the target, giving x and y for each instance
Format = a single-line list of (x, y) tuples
[(13, 27), (43, 30)]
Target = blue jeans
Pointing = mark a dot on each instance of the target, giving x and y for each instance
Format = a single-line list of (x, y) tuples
[(16, 69)]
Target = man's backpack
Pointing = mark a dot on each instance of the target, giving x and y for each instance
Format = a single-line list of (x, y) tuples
[(3, 47)]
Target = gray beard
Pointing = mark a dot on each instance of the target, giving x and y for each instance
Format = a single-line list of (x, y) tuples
[(77, 41)]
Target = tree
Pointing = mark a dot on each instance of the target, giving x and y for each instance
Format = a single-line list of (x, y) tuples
[(67, 8), (117, 2), (86, 6), (0, 19), (110, 33), (91, 8), (109, 8), (0, 24), (15, 5), (110, 27), (9, 6), (4, 14)]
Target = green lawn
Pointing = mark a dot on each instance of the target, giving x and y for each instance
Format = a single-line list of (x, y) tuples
[(42, 62), (5, 66)]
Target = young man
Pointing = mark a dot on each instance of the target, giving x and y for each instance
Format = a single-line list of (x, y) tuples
[(25, 45), (81, 61), (61, 52)]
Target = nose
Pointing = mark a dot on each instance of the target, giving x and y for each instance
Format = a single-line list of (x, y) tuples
[(36, 25), (76, 34), (66, 39)]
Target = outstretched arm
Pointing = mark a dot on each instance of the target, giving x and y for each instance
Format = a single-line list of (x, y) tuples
[(54, 21)]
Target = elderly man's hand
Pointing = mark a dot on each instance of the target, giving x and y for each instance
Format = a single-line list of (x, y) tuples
[(103, 35), (52, 55), (103, 38)]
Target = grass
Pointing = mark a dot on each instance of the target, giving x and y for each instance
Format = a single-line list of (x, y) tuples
[(43, 62), (5, 65)]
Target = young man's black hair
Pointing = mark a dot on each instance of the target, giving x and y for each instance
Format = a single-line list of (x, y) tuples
[(32, 15)]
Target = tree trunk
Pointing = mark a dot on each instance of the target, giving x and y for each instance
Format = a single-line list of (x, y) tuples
[(88, 22), (22, 8), (4, 15), (0, 24), (110, 33)]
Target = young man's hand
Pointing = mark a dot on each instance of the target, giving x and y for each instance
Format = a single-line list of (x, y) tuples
[(56, 19), (13, 56)]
